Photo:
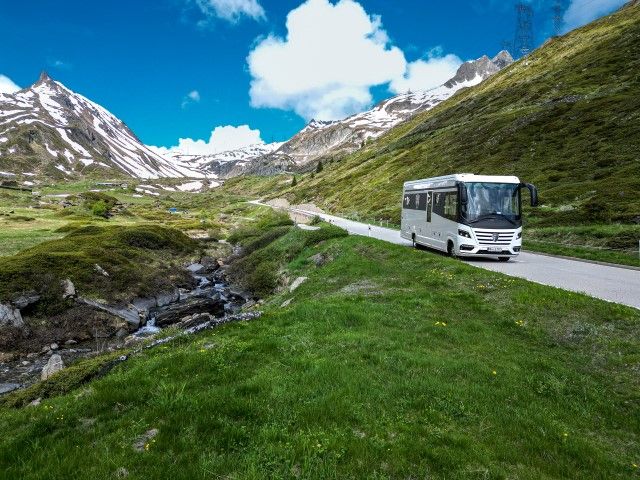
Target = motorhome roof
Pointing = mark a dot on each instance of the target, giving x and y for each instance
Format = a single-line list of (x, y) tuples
[(461, 177)]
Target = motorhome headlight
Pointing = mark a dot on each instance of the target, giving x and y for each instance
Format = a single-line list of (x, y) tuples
[(464, 233), (519, 235)]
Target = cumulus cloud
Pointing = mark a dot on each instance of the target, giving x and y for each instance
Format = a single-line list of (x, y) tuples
[(324, 68), (222, 139), (581, 12), (428, 73), (192, 97), (230, 10), (7, 85)]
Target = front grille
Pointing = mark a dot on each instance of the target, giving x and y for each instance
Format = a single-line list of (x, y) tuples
[(487, 237)]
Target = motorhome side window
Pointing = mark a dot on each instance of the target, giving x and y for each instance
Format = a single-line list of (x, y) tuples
[(445, 204), (415, 201)]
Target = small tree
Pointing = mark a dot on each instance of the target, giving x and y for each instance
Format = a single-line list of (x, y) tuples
[(319, 167), (294, 181)]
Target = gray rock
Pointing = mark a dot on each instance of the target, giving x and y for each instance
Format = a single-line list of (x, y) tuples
[(54, 346), (101, 270), (10, 317), (25, 300), (68, 288), (54, 365), (320, 259), (164, 299), (36, 402), (128, 314), (70, 342), (144, 304), (297, 282), (8, 387), (196, 268), (177, 313)]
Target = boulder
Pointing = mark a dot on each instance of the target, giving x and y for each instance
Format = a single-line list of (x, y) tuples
[(10, 317), (164, 299), (320, 259), (68, 288), (54, 365), (25, 300), (196, 268), (176, 313), (8, 387)]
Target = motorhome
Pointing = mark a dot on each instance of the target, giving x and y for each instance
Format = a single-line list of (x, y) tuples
[(466, 214)]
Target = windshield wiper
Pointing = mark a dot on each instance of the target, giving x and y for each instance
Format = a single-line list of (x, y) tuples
[(493, 215)]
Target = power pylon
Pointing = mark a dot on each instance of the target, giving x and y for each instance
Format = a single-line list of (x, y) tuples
[(523, 43), (558, 23)]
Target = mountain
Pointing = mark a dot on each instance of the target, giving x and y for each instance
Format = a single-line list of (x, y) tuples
[(322, 139), (224, 164), (48, 130), (566, 117)]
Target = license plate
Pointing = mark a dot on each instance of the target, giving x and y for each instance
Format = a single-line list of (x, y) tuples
[(494, 249)]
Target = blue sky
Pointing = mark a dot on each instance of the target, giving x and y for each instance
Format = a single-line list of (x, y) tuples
[(179, 68)]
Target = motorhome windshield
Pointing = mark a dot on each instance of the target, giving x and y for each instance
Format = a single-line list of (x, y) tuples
[(491, 203)]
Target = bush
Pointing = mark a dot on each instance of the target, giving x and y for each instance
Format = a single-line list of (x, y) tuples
[(100, 209), (263, 280), (315, 220)]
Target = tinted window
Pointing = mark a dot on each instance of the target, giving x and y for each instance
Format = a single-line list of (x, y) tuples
[(415, 201), (445, 204)]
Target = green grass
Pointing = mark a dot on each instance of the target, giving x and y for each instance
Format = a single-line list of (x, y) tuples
[(138, 260), (604, 243), (389, 363)]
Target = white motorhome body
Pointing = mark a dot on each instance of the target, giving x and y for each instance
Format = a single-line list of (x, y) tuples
[(465, 214)]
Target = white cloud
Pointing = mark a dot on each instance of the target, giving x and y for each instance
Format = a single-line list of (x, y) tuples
[(222, 139), (192, 97), (427, 74), (581, 12), (324, 69), (231, 10), (7, 85)]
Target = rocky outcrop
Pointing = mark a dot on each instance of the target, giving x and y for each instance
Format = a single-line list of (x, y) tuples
[(54, 365), (10, 317)]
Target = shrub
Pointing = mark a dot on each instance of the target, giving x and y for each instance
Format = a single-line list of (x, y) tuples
[(100, 209), (315, 220)]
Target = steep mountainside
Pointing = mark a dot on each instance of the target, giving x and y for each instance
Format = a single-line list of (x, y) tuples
[(49, 130), (324, 139), (567, 118)]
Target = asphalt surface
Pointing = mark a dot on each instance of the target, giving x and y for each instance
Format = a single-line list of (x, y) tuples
[(614, 284)]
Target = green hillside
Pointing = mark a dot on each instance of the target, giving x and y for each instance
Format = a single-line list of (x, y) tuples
[(566, 118)]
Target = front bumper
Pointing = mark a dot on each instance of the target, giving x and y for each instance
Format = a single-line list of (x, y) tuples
[(506, 243)]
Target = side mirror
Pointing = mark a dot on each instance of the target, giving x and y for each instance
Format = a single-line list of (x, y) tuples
[(533, 191), (464, 198)]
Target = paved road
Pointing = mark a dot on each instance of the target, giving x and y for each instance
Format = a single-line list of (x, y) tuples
[(614, 284)]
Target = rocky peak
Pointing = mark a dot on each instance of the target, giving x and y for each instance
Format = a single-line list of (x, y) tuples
[(481, 68), (502, 59), (44, 78)]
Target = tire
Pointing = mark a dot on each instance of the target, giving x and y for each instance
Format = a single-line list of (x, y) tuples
[(504, 259), (451, 249)]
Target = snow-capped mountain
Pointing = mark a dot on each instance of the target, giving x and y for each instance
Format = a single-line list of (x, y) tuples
[(49, 130), (334, 138), (223, 164)]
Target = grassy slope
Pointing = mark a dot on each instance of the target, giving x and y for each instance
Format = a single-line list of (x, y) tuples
[(357, 379), (566, 119)]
